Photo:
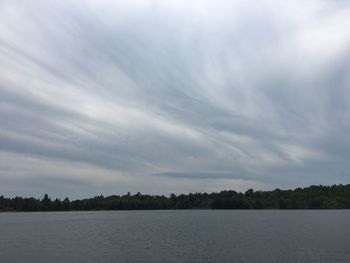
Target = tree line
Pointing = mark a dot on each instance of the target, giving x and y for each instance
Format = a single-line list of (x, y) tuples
[(312, 197)]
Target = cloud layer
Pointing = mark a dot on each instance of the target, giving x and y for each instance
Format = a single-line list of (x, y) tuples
[(175, 96)]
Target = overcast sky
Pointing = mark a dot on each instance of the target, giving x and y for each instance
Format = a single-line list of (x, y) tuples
[(106, 97)]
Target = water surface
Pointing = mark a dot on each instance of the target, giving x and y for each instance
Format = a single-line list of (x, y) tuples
[(176, 236)]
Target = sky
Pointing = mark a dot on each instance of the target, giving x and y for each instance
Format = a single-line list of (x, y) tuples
[(110, 96)]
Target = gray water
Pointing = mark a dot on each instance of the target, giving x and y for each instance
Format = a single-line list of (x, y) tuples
[(176, 236)]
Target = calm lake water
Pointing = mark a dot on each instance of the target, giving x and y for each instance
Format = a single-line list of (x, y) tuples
[(176, 236)]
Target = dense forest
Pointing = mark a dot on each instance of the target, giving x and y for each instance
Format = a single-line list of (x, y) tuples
[(313, 197)]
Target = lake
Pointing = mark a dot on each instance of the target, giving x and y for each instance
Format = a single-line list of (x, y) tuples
[(176, 236)]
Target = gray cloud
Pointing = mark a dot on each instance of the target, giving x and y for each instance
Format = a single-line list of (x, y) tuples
[(103, 95)]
